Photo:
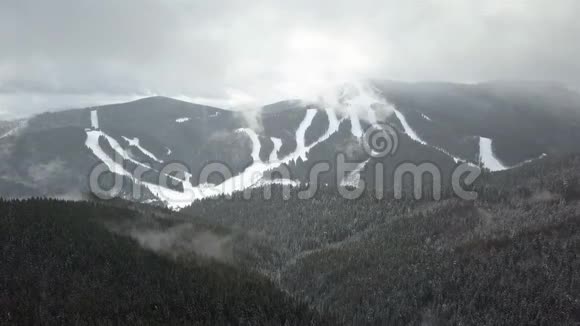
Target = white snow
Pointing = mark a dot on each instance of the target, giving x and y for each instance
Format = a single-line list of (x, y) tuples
[(333, 123), (529, 161), (92, 142), (487, 157), (425, 117), (136, 143), (333, 126), (277, 145), (174, 199), (168, 151), (252, 176), (355, 127), (362, 104), (301, 149), (491, 162), (256, 145), (372, 116), (408, 129), (455, 158), (121, 151), (94, 119), (413, 135)]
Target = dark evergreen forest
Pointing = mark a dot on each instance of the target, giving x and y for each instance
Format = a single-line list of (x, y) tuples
[(512, 256)]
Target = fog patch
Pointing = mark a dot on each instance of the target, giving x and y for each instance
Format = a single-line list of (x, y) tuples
[(221, 136), (359, 99), (253, 119), (183, 240), (43, 174), (543, 196)]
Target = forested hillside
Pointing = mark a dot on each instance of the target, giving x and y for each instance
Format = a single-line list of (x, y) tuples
[(512, 256), (61, 266)]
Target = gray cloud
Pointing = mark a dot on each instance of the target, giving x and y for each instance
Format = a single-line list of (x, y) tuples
[(238, 53)]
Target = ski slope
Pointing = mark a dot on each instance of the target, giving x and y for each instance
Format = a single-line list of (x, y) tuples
[(487, 157), (277, 145), (251, 177), (135, 142), (94, 119), (408, 129)]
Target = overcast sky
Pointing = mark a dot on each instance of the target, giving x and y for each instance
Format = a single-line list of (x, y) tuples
[(59, 53)]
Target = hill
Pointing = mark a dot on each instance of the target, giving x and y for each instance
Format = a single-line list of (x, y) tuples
[(61, 266)]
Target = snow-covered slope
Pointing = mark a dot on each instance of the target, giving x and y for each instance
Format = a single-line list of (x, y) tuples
[(487, 157), (356, 108), (151, 133), (408, 129), (135, 142)]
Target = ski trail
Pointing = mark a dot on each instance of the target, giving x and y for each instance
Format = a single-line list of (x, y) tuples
[(254, 175), (333, 122), (363, 103), (256, 145), (94, 119), (277, 145), (119, 149), (408, 129), (372, 116), (355, 127), (251, 177), (301, 149), (135, 142), (92, 142), (487, 157), (528, 161), (174, 199), (333, 126)]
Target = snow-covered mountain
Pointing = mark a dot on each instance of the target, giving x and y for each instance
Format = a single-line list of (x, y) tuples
[(497, 125)]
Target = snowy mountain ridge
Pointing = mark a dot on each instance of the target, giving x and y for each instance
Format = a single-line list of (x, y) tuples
[(52, 153)]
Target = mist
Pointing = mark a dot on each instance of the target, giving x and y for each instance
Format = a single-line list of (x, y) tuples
[(184, 240), (66, 54)]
